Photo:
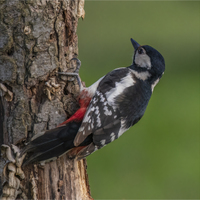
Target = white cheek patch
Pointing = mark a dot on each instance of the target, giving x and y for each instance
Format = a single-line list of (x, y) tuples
[(143, 60)]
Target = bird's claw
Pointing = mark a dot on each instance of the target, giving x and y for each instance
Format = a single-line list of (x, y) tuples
[(75, 73)]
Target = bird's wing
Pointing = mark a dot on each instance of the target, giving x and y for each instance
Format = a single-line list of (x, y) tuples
[(103, 118)]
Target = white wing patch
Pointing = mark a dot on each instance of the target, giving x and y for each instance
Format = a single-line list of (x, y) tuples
[(119, 88)]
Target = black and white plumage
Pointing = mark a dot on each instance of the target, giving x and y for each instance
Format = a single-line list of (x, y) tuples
[(118, 101)]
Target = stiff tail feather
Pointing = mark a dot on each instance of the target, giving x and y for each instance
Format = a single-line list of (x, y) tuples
[(52, 144)]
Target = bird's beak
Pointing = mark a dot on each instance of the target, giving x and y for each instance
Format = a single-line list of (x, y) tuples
[(135, 44)]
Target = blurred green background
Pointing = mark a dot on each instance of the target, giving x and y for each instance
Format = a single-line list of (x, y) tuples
[(158, 158)]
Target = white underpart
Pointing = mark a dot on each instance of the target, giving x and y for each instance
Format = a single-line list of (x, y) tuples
[(154, 84), (125, 82), (142, 75), (92, 89), (143, 60)]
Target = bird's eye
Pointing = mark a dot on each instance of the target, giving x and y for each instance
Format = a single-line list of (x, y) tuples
[(140, 51)]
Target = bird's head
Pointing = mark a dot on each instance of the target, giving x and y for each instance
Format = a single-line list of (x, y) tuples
[(148, 59)]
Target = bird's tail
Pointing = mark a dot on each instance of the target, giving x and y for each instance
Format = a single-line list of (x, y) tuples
[(52, 144)]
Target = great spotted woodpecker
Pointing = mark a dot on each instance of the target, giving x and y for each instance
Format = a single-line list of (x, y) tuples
[(108, 108)]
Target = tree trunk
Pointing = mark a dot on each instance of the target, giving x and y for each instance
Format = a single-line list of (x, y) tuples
[(38, 39)]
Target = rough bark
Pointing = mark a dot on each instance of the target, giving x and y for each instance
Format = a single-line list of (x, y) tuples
[(37, 39)]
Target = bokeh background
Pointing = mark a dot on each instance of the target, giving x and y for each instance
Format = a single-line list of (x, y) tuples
[(158, 158)]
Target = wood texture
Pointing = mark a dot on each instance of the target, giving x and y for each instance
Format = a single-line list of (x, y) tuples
[(37, 39)]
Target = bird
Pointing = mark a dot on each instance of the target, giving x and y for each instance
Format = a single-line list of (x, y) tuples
[(108, 108)]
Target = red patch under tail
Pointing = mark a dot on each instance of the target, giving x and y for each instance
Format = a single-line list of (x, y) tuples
[(84, 101)]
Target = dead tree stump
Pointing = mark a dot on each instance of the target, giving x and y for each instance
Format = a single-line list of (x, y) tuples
[(38, 39)]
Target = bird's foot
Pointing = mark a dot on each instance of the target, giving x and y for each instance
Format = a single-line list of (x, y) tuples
[(75, 73)]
